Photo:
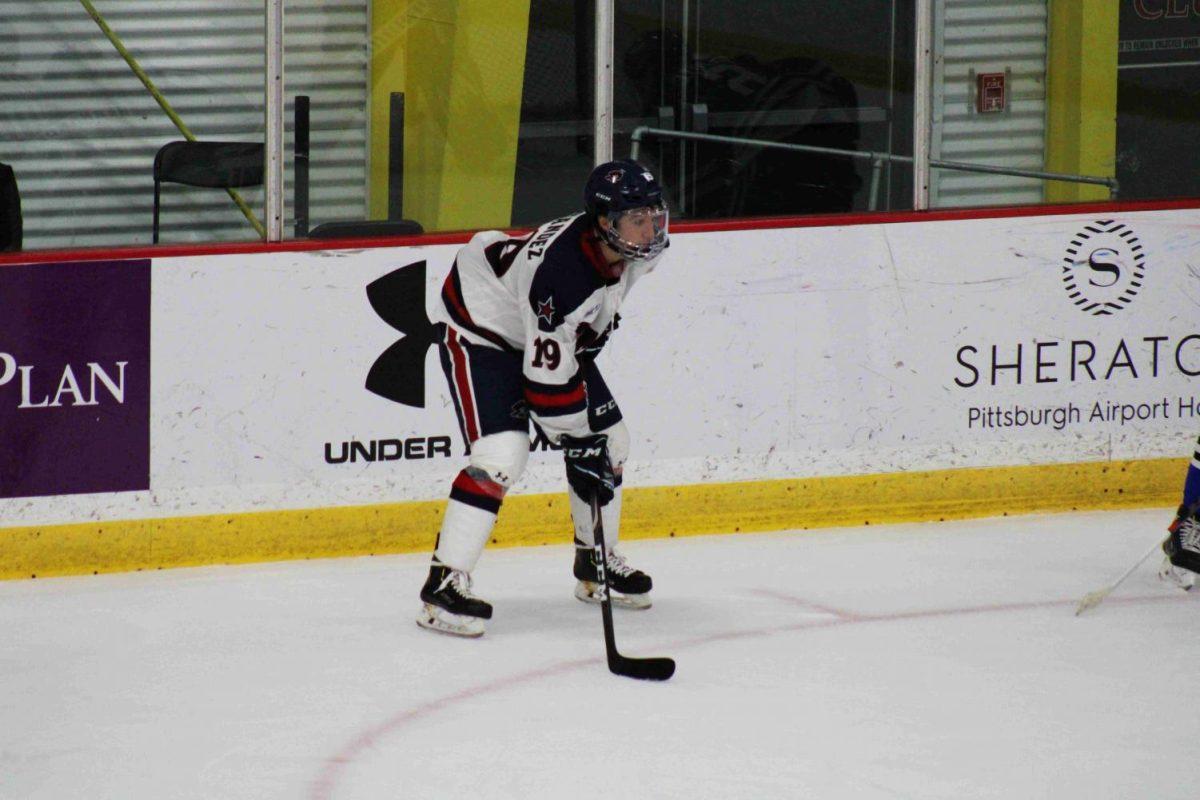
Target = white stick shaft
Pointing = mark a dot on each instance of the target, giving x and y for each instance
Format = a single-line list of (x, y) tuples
[(1097, 597)]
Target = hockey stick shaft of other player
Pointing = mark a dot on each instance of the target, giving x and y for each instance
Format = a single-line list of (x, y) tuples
[(1093, 599), (647, 669)]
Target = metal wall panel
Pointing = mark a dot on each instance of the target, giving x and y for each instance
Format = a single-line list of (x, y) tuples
[(989, 36), (81, 131)]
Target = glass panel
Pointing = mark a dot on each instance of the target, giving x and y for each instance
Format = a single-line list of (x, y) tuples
[(554, 155), (481, 114), (327, 86), (1158, 99), (81, 131), (990, 101), (1086, 89), (442, 86), (755, 84), (812, 74)]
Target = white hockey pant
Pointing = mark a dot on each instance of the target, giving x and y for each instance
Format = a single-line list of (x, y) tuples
[(497, 462)]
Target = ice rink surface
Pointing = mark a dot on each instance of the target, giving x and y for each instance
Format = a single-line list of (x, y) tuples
[(910, 661)]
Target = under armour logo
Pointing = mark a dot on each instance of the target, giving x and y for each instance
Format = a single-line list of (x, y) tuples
[(399, 299)]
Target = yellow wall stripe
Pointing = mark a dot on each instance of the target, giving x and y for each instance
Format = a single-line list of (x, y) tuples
[(1081, 96), (465, 74), (461, 66), (43, 551)]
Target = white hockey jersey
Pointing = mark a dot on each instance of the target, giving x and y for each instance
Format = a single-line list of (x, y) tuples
[(541, 295)]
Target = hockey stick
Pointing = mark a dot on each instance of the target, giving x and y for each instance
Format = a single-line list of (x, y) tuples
[(646, 669), (1093, 599)]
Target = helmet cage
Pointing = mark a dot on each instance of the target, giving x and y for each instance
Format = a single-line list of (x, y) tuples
[(631, 251)]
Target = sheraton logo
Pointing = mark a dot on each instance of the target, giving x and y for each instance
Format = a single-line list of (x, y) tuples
[(1104, 268)]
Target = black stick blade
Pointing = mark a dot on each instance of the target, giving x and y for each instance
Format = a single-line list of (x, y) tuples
[(643, 669)]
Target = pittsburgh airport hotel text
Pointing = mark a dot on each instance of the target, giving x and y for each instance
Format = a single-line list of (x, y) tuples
[(1059, 417)]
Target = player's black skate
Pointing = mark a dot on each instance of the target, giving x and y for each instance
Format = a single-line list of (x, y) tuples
[(628, 587), (448, 605), (1182, 547)]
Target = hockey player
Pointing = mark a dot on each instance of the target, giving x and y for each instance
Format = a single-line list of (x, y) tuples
[(1182, 545), (524, 319)]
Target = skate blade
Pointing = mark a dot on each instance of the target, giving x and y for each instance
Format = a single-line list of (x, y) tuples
[(1176, 576), (439, 619), (590, 593)]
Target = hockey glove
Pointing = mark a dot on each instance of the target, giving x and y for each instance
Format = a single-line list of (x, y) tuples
[(589, 471), (588, 344)]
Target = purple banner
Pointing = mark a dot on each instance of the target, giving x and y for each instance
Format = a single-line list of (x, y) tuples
[(74, 378)]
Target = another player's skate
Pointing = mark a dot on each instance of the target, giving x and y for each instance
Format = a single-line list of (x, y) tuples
[(1182, 547), (448, 605), (628, 587)]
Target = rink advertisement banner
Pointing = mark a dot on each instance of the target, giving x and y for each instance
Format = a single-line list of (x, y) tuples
[(1102, 345), (312, 379), (74, 378)]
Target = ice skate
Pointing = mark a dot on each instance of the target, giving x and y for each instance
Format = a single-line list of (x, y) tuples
[(1176, 576), (628, 587), (1182, 550), (448, 605)]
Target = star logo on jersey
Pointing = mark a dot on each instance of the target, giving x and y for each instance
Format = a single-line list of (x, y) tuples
[(545, 312)]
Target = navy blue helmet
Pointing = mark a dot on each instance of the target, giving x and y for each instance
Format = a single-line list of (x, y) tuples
[(614, 190)]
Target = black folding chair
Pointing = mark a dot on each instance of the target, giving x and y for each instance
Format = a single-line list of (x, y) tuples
[(216, 165), (11, 224)]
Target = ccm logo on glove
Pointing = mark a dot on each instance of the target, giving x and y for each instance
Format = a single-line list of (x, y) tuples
[(583, 452)]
